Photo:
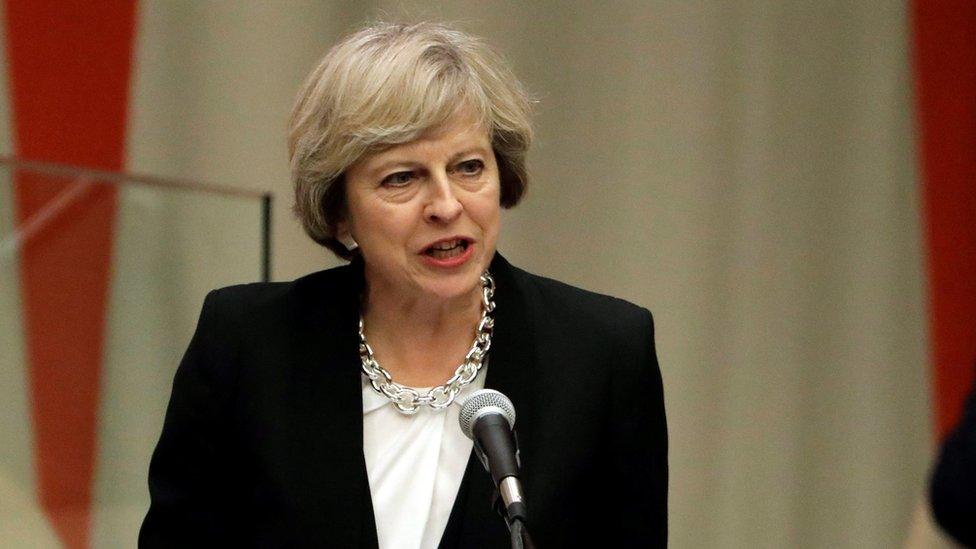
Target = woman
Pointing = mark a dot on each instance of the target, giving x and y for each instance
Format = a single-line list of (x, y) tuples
[(295, 418)]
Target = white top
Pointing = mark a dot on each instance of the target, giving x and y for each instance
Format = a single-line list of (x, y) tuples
[(415, 465)]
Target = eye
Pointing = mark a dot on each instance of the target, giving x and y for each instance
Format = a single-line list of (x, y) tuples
[(471, 167), (398, 179)]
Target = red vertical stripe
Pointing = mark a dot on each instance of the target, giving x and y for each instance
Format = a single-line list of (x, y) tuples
[(69, 63), (945, 67)]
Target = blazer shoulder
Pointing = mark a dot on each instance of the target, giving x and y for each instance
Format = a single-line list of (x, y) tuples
[(257, 300), (591, 310)]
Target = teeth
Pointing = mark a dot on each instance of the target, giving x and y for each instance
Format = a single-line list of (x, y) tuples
[(446, 249), (444, 254), (446, 245)]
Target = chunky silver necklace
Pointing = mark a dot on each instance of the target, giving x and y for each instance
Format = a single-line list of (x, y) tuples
[(407, 399)]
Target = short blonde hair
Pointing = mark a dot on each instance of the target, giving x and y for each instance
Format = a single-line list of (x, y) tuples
[(388, 84)]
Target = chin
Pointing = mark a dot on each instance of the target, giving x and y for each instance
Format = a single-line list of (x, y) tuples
[(449, 286), (456, 287)]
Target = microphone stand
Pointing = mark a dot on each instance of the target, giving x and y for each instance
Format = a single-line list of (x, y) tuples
[(517, 528), (514, 515), (520, 534)]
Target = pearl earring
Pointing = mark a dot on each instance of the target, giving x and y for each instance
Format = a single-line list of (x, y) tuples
[(348, 241)]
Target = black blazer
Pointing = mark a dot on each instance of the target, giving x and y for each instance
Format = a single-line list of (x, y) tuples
[(953, 489), (262, 442)]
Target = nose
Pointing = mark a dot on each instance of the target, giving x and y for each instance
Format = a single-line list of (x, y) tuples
[(442, 204)]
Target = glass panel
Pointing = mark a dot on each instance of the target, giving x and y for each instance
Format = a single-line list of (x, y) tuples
[(101, 282)]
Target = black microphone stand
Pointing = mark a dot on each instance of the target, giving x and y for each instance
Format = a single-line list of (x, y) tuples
[(515, 519), (520, 535), (515, 514)]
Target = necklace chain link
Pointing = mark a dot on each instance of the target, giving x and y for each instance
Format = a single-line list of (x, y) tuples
[(409, 400)]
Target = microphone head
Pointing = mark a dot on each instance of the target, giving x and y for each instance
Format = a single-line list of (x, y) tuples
[(482, 402)]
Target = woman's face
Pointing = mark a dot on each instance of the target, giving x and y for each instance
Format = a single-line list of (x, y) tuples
[(426, 213)]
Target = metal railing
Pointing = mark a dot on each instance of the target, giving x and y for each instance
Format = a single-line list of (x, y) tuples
[(83, 178)]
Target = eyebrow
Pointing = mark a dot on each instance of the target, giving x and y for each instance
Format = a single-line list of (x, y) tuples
[(389, 164), (469, 151)]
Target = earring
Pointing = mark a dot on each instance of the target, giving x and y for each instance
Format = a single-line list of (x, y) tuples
[(348, 241)]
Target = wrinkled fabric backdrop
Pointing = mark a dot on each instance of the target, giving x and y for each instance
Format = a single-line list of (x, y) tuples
[(751, 171)]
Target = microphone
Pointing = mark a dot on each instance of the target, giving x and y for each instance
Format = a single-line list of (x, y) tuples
[(487, 418)]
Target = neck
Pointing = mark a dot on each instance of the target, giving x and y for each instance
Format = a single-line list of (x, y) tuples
[(421, 314), (420, 341)]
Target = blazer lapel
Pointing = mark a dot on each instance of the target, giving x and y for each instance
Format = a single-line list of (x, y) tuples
[(473, 523), (338, 483), (513, 352)]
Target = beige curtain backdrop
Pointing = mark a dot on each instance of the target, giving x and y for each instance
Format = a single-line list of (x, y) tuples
[(745, 169)]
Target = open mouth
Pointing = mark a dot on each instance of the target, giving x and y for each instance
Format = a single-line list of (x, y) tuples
[(447, 249)]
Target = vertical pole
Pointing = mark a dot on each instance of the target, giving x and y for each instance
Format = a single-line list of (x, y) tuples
[(266, 237)]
